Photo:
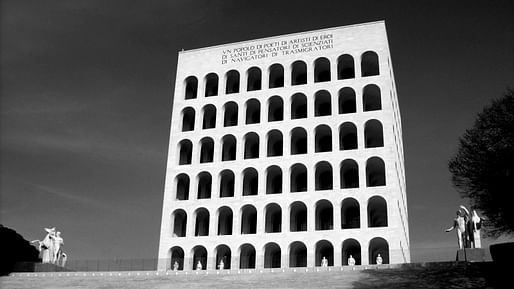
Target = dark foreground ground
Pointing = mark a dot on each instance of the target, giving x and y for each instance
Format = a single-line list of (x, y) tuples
[(424, 275)]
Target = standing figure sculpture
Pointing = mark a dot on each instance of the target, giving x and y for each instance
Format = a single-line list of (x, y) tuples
[(324, 262), (476, 225), (351, 261), (199, 266), (175, 266), (58, 242), (459, 223), (221, 265), (50, 248), (379, 260)]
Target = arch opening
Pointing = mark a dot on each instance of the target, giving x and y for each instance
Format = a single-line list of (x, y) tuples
[(230, 118), (191, 87), (369, 64), (298, 73), (273, 215), (349, 174), (323, 176), (350, 214), (202, 222), (253, 111), (347, 136), (298, 106), (232, 85), (273, 180), (186, 150), (182, 192), (378, 246), (324, 249), (188, 119), (345, 67), (179, 223), (276, 76), (248, 220), (275, 108), (351, 247), (347, 103), (247, 257), (225, 220), (211, 84), (324, 215), (377, 212), (298, 217), (224, 254), (177, 255), (204, 185), (229, 148), (254, 79), (275, 143), (251, 146), (209, 117), (207, 150), (298, 141), (272, 255), (199, 256), (375, 172), (373, 134), (371, 98), (297, 255), (321, 70), (322, 103), (323, 139), (227, 184), (250, 182), (298, 178)]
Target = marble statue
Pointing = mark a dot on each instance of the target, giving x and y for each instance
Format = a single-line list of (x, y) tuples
[(379, 260), (476, 225), (459, 223), (175, 266), (324, 262), (50, 248), (199, 266), (221, 265), (351, 261)]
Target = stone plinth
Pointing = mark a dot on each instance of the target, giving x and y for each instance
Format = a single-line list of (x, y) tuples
[(471, 255)]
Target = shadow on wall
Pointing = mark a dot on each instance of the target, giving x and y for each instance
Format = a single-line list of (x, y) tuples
[(15, 249), (436, 275)]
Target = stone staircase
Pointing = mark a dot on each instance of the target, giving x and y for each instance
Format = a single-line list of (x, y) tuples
[(415, 275)]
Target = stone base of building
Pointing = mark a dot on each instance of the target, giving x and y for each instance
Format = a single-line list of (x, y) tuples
[(471, 255)]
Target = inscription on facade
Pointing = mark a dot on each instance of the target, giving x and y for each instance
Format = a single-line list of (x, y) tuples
[(277, 48)]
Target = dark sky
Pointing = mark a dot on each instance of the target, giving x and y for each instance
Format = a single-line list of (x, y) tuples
[(86, 95)]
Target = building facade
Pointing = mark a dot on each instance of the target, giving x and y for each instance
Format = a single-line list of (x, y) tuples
[(286, 151)]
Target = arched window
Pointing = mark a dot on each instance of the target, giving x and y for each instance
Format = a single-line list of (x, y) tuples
[(177, 255), (349, 174), (273, 215), (229, 148), (276, 76), (373, 134), (345, 67), (179, 221), (207, 150), (211, 85), (204, 185), (199, 256), (321, 70), (254, 79), (323, 176), (351, 247), (226, 184), (182, 192), (275, 108), (191, 87), (272, 255), (298, 178), (248, 220), (273, 180), (232, 82), (298, 73), (297, 255), (350, 214), (250, 182), (188, 119), (298, 106), (347, 100), (377, 212), (247, 257), (347, 136), (322, 103), (253, 111), (209, 116), (298, 141), (375, 172), (323, 139), (369, 64), (225, 218), (223, 253), (275, 143), (202, 222), (298, 217), (324, 215), (251, 140), (186, 149), (371, 98), (324, 249), (378, 246), (230, 114)]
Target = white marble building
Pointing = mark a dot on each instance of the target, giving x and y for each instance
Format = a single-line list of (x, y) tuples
[(285, 150)]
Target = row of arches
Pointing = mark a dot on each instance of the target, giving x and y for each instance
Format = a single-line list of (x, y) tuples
[(246, 255), (298, 179), (275, 108), (348, 140), (322, 73), (350, 213)]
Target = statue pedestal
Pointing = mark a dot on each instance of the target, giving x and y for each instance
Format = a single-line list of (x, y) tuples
[(471, 255)]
